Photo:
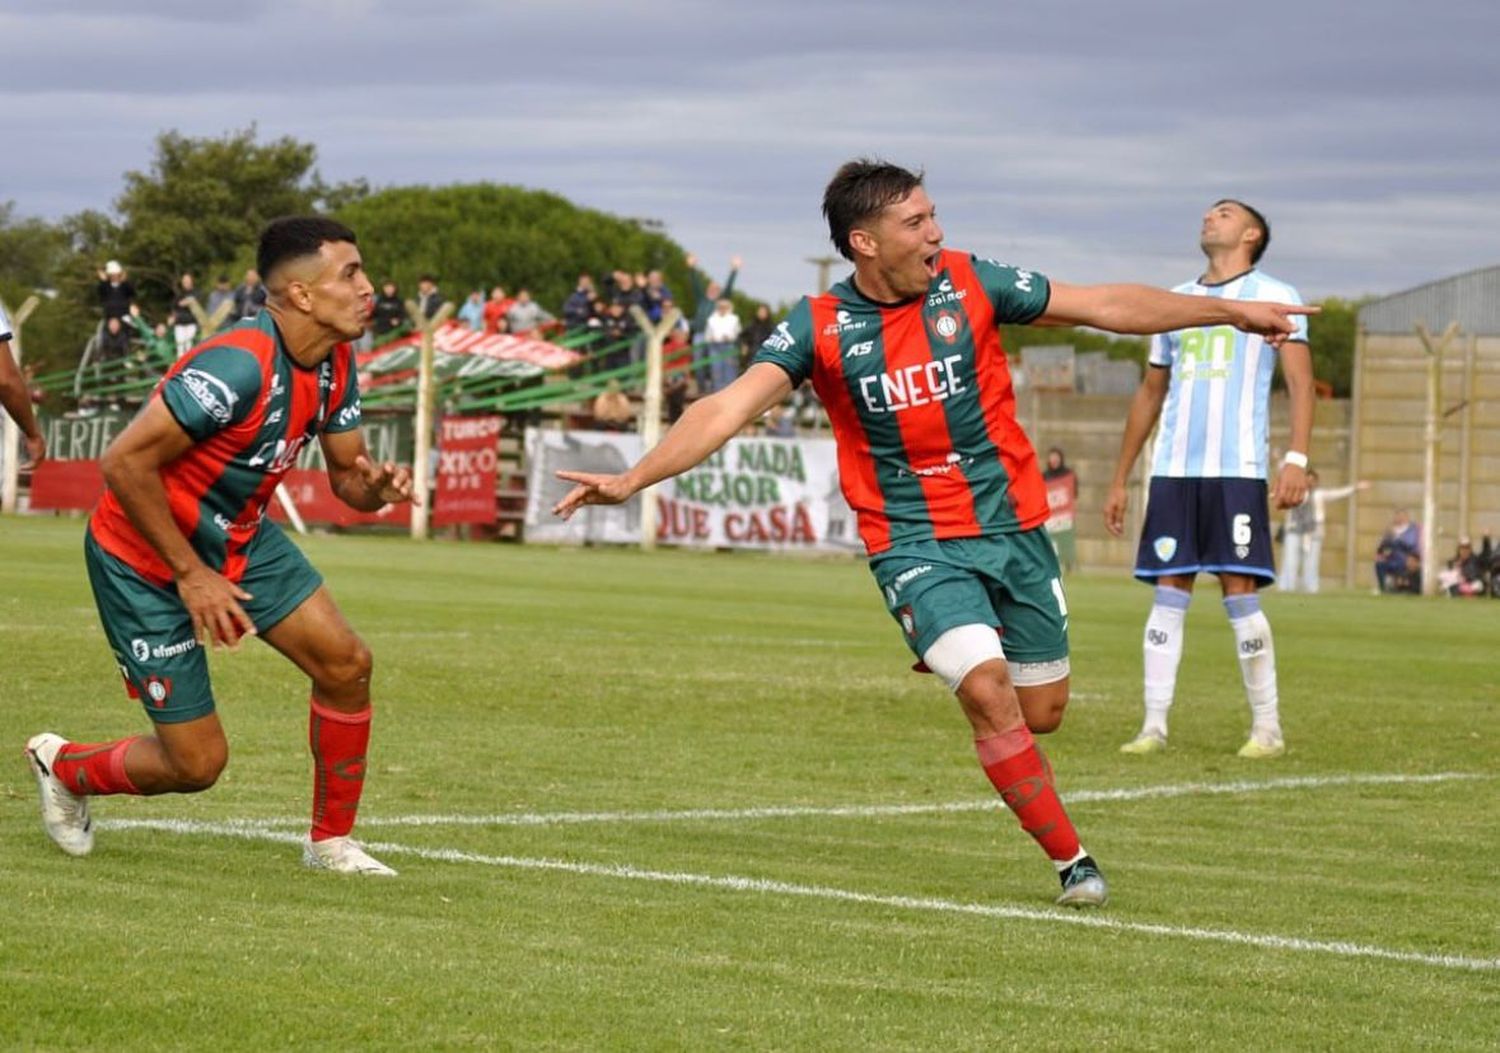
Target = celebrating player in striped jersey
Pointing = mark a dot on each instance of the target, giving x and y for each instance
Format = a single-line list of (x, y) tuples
[(906, 356), (1211, 387), (180, 555)]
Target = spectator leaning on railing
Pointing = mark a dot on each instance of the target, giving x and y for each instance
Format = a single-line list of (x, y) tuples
[(526, 315)]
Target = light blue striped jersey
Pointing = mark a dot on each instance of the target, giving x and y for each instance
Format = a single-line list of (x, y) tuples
[(1215, 422)]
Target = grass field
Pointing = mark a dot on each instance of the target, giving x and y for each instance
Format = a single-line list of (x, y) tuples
[(696, 801)]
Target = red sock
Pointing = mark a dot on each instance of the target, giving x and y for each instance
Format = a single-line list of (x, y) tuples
[(94, 769), (1024, 778), (338, 742)]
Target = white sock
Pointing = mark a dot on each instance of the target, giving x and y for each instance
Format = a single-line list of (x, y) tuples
[(1252, 641), (1162, 648), (1062, 865)]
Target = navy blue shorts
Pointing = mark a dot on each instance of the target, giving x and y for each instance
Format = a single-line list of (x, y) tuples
[(1212, 525)]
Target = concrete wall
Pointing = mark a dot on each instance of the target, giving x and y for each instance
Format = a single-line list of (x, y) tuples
[(1089, 427), (1390, 402)]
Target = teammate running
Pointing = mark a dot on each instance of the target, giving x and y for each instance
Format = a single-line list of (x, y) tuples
[(180, 555), (906, 357)]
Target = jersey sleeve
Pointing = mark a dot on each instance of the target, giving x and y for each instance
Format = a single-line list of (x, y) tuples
[(215, 389), (1163, 350), (790, 344), (346, 412), (1018, 296), (1299, 334)]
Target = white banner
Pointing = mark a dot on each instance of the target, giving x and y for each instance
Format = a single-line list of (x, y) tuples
[(760, 493)]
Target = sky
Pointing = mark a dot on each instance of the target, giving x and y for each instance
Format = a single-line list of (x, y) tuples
[(1080, 138)]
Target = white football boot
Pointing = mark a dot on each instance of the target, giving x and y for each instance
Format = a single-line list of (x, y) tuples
[(342, 855), (65, 815)]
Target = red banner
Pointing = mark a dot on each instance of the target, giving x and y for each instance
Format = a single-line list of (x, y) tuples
[(467, 455), (66, 485), (1062, 499), (316, 503)]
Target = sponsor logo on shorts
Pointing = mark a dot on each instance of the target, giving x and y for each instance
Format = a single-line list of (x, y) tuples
[(1165, 548), (908, 621), (215, 397), (907, 575), (144, 651), (1242, 551)]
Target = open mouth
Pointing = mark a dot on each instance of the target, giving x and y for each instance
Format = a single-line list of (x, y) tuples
[(933, 264)]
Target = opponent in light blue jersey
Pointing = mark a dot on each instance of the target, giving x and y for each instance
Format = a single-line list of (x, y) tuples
[(1216, 420), (1207, 512)]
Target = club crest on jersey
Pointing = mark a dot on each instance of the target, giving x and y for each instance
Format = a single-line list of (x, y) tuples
[(947, 325), (1165, 548), (215, 397)]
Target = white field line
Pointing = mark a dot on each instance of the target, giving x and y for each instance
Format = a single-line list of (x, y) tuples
[(870, 811), (732, 883)]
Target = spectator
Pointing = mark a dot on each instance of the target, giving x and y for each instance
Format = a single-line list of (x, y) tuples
[(654, 294), (221, 294), (250, 297), (1398, 560), (113, 352), (1464, 575), (184, 320), (526, 315), (495, 308), (704, 299), (721, 338), (116, 293), (429, 300), (759, 329), (389, 313), (471, 313), (613, 409), (781, 422), (1062, 501), (1302, 534), (578, 308)]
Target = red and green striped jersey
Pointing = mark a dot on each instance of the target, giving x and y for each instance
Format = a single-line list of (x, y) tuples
[(920, 397), (250, 409)]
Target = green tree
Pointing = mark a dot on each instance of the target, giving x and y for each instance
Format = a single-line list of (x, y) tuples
[(203, 202), (1330, 337), (474, 236)]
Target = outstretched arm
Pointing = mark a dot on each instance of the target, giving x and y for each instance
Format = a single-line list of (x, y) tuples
[(1143, 309), (1144, 409), (708, 424)]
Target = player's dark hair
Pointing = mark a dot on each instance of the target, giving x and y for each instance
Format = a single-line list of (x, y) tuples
[(1260, 221), (859, 191), (292, 237)]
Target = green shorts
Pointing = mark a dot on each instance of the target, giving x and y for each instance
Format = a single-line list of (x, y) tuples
[(1009, 581), (151, 633)]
